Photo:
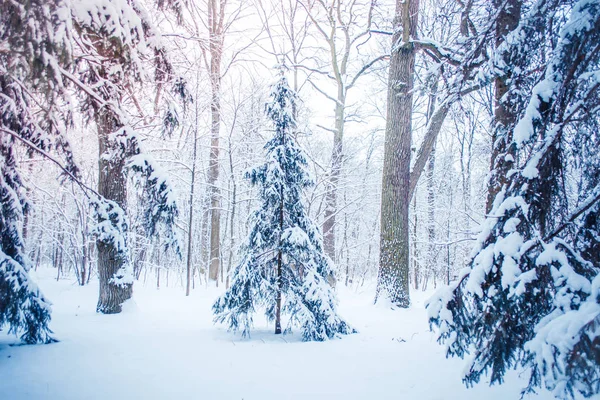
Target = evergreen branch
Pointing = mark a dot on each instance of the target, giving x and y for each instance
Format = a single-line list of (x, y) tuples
[(83, 87), (588, 204)]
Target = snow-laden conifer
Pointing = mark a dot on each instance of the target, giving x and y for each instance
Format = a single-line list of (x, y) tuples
[(530, 296), (283, 267), (120, 48), (34, 42), (37, 79)]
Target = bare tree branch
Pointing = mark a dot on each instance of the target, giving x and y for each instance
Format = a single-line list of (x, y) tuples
[(45, 154)]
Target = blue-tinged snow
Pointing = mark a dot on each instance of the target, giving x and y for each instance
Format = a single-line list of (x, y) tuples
[(164, 346)]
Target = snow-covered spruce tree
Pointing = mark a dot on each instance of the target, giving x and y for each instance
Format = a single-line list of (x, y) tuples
[(34, 40), (530, 296), (283, 268), (120, 48), (35, 66)]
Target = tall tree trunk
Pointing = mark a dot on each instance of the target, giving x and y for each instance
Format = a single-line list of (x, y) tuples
[(345, 245), (216, 15), (279, 271), (503, 152), (205, 235), (393, 280), (337, 33), (27, 210), (58, 257), (112, 185), (83, 231), (232, 217), (40, 247), (431, 248), (191, 218), (91, 248), (448, 262), (416, 268), (332, 185), (84, 263), (139, 261), (466, 146), (279, 288), (213, 176)]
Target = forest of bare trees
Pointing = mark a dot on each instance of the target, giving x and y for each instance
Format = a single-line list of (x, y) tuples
[(201, 121)]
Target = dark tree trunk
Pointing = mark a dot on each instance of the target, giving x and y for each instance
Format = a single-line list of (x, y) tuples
[(393, 280), (504, 116), (279, 267), (278, 305), (112, 185)]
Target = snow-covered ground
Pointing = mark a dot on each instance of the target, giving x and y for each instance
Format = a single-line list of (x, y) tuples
[(165, 346)]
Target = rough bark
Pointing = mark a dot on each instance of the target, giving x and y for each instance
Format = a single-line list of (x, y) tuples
[(393, 279), (112, 185)]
